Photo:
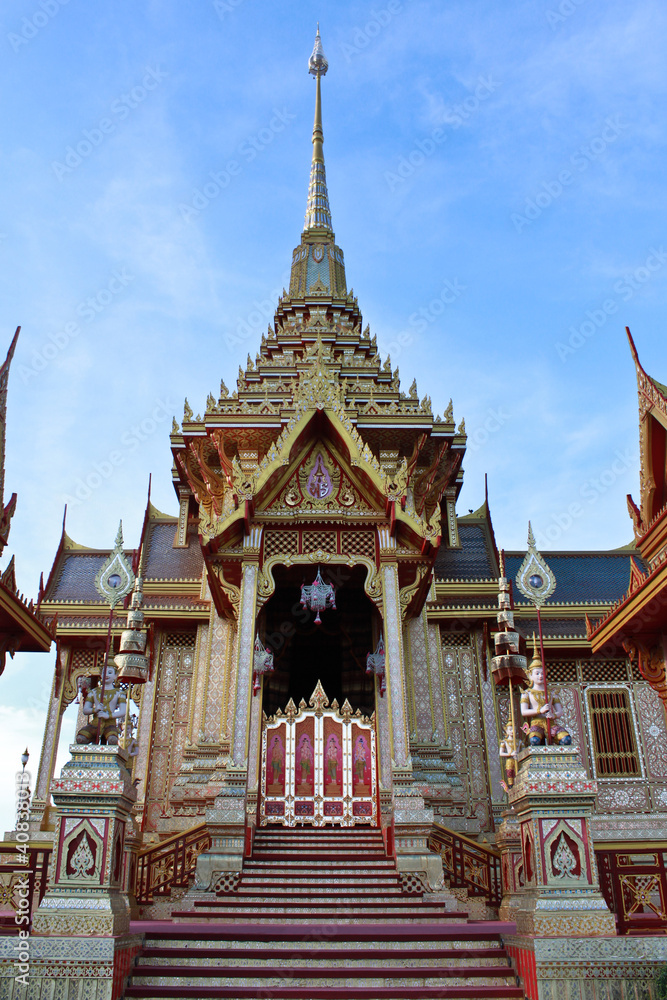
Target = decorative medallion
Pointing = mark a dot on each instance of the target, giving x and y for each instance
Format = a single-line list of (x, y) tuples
[(535, 579), (319, 481), (115, 579)]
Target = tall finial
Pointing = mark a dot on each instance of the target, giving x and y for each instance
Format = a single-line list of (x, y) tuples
[(318, 213), (317, 64)]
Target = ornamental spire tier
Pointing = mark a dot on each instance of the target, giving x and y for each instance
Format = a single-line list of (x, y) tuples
[(318, 213), (318, 266)]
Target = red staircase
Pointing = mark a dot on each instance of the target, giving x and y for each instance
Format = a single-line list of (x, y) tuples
[(322, 913)]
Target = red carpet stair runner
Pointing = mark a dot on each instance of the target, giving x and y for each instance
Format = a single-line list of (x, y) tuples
[(322, 913)]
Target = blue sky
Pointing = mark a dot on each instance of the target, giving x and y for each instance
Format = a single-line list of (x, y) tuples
[(496, 177)]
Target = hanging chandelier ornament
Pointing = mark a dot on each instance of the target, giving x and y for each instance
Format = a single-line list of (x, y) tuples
[(262, 663), (375, 665), (318, 596)]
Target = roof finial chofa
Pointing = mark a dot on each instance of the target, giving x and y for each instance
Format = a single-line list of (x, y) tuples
[(318, 213), (317, 64)]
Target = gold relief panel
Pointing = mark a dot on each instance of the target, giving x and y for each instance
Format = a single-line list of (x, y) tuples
[(320, 485), (81, 855)]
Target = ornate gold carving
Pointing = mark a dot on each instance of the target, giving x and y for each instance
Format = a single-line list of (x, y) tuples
[(291, 711), (245, 486), (265, 586), (651, 665), (233, 593), (317, 388), (407, 593), (318, 699), (396, 486), (214, 484)]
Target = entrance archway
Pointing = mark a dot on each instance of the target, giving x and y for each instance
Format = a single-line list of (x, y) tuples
[(333, 652)]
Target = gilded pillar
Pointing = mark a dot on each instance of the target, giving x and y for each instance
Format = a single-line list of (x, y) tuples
[(244, 654), (226, 820), (412, 819), (39, 808), (394, 667)]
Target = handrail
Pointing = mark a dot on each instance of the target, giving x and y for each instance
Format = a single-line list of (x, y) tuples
[(633, 882), (18, 863), (170, 864), (168, 841), (468, 865)]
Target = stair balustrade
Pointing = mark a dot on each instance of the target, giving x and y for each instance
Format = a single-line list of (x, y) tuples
[(170, 864), (21, 866), (634, 885), (468, 865)]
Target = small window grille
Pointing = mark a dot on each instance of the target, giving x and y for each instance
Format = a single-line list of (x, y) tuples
[(596, 671), (456, 639), (562, 671), (614, 739)]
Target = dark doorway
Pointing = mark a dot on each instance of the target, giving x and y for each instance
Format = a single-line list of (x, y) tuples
[(333, 652)]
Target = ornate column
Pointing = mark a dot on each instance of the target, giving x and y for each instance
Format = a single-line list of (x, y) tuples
[(395, 669), (508, 839), (227, 819), (39, 808), (244, 654), (553, 798), (412, 820)]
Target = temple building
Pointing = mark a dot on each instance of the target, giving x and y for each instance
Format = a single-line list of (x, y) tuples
[(22, 628), (320, 661)]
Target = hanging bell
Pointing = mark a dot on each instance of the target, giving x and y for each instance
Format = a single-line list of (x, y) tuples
[(132, 661)]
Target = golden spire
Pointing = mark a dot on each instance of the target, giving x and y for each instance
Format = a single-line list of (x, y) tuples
[(318, 213)]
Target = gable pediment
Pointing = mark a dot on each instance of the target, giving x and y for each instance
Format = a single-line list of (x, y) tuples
[(319, 481)]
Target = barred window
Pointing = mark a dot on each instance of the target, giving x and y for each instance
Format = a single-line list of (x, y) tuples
[(614, 740)]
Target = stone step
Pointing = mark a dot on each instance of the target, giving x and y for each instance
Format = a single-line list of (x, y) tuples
[(345, 902), (272, 976), (308, 853), (153, 991), (281, 864), (452, 935), (327, 830), (394, 958), (340, 895), (281, 891), (315, 877), (305, 918)]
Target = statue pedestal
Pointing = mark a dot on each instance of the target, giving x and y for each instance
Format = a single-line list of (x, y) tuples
[(81, 937), (93, 848), (552, 799)]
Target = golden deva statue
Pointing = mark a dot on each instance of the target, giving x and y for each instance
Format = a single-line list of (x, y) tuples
[(541, 712), (104, 710)]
